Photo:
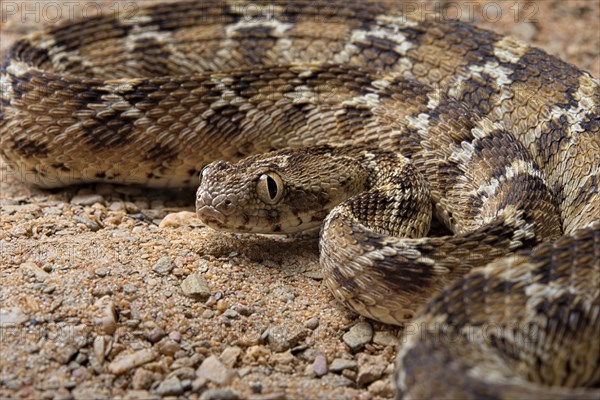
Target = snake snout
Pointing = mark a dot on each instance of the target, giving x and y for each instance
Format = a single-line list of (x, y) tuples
[(214, 209), (224, 204)]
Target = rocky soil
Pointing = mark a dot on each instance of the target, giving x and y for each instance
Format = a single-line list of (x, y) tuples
[(119, 292)]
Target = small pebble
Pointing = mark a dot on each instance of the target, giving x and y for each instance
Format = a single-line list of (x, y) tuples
[(320, 365), (32, 270), (340, 364), (215, 371), (10, 316), (312, 323), (106, 317), (142, 379), (219, 394), (50, 289), (175, 220), (370, 368), (140, 395), (168, 347), (243, 310), (155, 334), (285, 358), (175, 336), (231, 314), (116, 206), (87, 199), (181, 362), (222, 305), (170, 387), (132, 323), (101, 291), (130, 288), (163, 266), (350, 374), (131, 208), (383, 338), (199, 384), (382, 388), (271, 396), (101, 272), (53, 211), (285, 336), (99, 347), (66, 354), (127, 362), (230, 355), (210, 302), (184, 373), (91, 225), (359, 335), (195, 286), (335, 381)]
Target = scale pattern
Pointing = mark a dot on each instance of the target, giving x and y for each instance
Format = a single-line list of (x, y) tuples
[(506, 137)]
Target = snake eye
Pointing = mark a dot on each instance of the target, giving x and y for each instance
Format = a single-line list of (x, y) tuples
[(203, 172), (269, 188)]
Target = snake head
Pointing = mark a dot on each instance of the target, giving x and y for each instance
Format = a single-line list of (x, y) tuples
[(285, 191)]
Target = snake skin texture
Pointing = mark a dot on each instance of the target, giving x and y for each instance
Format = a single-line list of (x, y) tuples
[(502, 140)]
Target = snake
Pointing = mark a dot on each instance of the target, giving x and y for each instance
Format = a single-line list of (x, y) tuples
[(372, 123)]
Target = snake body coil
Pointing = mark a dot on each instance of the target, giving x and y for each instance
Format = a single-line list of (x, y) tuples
[(505, 136)]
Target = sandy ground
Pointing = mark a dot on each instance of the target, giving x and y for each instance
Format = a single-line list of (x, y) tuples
[(101, 296)]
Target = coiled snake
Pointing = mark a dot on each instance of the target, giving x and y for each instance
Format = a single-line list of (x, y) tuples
[(388, 114)]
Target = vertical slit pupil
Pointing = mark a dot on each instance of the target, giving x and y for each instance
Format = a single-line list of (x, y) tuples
[(272, 186)]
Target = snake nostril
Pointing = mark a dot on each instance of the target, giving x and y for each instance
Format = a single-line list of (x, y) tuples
[(225, 206)]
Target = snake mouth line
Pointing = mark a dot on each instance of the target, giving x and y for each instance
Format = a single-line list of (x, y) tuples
[(211, 216), (502, 140)]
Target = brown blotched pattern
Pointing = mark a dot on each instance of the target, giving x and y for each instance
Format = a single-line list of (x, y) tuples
[(502, 138)]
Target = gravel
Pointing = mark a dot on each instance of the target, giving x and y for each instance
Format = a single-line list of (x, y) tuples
[(12, 316), (370, 368), (384, 338), (85, 270), (170, 387), (126, 362), (340, 364), (163, 266), (143, 379), (230, 355), (155, 334), (285, 336), (196, 287), (87, 199), (312, 323), (320, 365), (358, 336), (214, 370), (106, 317), (219, 394)]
